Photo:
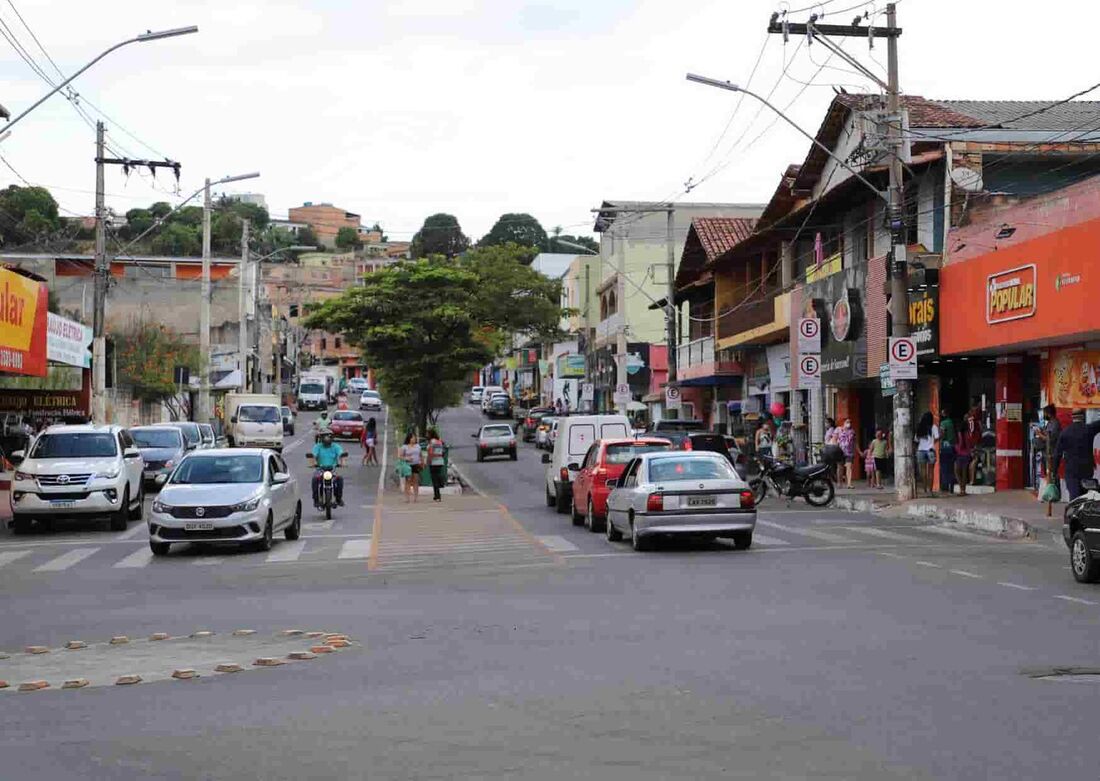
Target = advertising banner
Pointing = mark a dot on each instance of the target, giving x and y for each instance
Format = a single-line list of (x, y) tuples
[(571, 366), (68, 342), (43, 404), (1074, 377), (23, 310), (924, 321), (779, 367)]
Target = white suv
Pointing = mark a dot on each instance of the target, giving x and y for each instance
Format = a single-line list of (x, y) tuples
[(81, 471)]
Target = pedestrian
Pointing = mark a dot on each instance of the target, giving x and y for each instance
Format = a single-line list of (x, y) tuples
[(928, 433), (1075, 446), (1048, 439), (970, 435), (437, 464), (764, 437), (409, 453), (846, 438), (948, 435), (370, 435), (874, 480)]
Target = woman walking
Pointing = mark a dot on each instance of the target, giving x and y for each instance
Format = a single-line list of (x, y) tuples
[(410, 454), (846, 438), (436, 463), (927, 435), (370, 455)]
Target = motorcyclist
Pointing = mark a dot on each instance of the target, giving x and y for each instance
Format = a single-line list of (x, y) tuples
[(321, 425), (327, 455)]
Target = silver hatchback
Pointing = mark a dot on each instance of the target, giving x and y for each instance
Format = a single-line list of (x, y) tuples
[(696, 494), (496, 439)]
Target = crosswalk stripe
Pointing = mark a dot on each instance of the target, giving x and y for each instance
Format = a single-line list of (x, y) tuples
[(392, 547), (763, 539), (133, 531), (65, 560), (8, 556), (139, 558), (946, 531), (557, 543), (286, 551), (355, 549), (812, 533), (881, 533), (208, 561)]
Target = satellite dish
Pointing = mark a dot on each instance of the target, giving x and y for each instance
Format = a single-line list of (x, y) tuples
[(967, 179)]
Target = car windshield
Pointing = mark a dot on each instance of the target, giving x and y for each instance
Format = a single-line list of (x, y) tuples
[(371, 394), (620, 454), (681, 425), (496, 431), (207, 431), (190, 432), (257, 414), (311, 387), (668, 470), (156, 437), (206, 470), (82, 445), (347, 416)]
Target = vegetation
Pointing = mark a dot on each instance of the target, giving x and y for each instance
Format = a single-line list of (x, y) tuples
[(348, 239), (439, 235), (522, 229), (28, 215), (147, 354)]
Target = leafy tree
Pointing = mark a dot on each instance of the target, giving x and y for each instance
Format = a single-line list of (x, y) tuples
[(307, 238), (147, 354), (188, 215), (348, 238), (558, 244), (522, 229), (177, 239), (27, 215), (513, 297), (439, 235), (137, 222), (159, 209)]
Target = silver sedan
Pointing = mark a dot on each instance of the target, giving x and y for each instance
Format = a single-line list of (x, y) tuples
[(694, 494), (496, 439)]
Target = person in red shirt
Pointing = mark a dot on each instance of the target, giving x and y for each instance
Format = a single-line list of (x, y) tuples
[(968, 439)]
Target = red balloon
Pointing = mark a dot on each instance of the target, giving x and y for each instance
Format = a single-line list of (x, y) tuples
[(777, 409)]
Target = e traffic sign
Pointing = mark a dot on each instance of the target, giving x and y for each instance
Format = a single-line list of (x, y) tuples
[(809, 372), (622, 393), (672, 397), (809, 335), (903, 358)]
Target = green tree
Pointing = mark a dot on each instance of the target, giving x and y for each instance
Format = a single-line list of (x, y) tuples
[(522, 229), (348, 238), (27, 215), (177, 239), (439, 235), (137, 222), (566, 244), (147, 354), (160, 209), (188, 215)]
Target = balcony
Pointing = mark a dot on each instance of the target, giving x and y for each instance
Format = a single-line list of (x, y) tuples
[(609, 327), (696, 365), (760, 322), (695, 353)]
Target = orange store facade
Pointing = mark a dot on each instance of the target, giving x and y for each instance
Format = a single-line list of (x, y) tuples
[(1021, 300)]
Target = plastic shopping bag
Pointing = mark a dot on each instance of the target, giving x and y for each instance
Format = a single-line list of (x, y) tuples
[(1050, 492)]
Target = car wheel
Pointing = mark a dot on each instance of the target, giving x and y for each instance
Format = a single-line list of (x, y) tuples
[(513, 455), (561, 503), (139, 513), (265, 542), (120, 518), (591, 522), (159, 548), (549, 497), (613, 534), (21, 524), (637, 541), (1085, 568), (294, 531), (578, 518), (480, 457), (742, 540)]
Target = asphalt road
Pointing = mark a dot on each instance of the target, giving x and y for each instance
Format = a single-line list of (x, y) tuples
[(839, 646)]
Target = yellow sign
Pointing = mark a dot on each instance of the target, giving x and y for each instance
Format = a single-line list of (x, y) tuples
[(828, 267), (18, 306)]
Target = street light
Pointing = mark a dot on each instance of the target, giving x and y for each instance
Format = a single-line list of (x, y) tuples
[(147, 36), (571, 244)]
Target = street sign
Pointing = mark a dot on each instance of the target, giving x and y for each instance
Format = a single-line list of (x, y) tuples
[(809, 335), (588, 391), (903, 358), (809, 372), (622, 393), (672, 397), (886, 383)]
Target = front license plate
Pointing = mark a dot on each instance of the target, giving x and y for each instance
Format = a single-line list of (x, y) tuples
[(702, 501), (198, 526), (62, 503)]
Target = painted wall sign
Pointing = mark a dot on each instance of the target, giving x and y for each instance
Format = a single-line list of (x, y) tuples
[(22, 324), (1010, 295)]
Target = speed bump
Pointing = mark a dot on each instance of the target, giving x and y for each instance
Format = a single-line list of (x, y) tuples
[(202, 633), (37, 649), (3, 684), (321, 649), (159, 636), (336, 637), (228, 668), (120, 640), (75, 645), (337, 643), (184, 675), (75, 683), (243, 632), (315, 634), (292, 632), (301, 655), (33, 686), (127, 680), (267, 661)]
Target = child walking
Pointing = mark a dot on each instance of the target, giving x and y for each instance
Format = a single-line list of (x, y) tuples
[(869, 466)]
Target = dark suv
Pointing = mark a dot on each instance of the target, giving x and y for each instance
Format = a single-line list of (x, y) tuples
[(500, 406)]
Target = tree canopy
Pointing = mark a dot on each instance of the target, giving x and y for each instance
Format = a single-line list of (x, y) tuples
[(347, 238), (565, 243), (424, 325), (27, 215), (522, 229), (439, 235)]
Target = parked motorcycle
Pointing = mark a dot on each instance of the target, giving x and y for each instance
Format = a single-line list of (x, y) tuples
[(813, 483)]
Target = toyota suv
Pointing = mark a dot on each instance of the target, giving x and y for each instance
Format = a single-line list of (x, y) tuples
[(78, 471)]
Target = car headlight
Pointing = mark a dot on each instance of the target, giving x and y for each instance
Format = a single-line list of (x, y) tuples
[(246, 507), (24, 476), (110, 474), (161, 507)]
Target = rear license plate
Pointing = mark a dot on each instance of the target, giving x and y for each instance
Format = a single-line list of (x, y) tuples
[(498, 450), (702, 501), (62, 503), (198, 526)]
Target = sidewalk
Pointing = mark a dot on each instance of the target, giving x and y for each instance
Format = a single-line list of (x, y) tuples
[(1013, 514)]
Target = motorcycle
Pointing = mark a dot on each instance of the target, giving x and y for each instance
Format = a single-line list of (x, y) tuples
[(327, 494), (813, 483)]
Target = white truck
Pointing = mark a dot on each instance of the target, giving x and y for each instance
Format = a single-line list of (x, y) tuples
[(313, 391), (335, 376), (254, 420)]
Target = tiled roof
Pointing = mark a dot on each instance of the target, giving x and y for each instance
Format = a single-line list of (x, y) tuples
[(1043, 115), (718, 234), (922, 112)]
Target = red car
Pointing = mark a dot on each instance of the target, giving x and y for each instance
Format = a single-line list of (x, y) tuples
[(347, 424), (605, 461)]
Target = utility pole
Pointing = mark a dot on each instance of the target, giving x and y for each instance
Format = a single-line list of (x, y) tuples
[(102, 269), (242, 308), (670, 306), (204, 309), (257, 365)]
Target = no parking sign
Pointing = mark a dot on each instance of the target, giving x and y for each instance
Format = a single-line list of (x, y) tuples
[(903, 358), (809, 372), (809, 335)]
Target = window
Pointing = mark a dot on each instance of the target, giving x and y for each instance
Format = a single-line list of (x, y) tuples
[(622, 454), (630, 476), (293, 310), (613, 431), (75, 445), (337, 341), (257, 414), (590, 457), (272, 468), (212, 470), (158, 437), (324, 343), (679, 468), (581, 437)]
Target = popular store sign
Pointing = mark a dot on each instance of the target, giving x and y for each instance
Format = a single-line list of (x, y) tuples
[(1010, 295)]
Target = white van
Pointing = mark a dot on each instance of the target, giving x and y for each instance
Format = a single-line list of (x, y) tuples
[(576, 433), (487, 394)]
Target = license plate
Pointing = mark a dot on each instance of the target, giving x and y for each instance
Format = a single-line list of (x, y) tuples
[(198, 526), (498, 450), (702, 501), (62, 503)]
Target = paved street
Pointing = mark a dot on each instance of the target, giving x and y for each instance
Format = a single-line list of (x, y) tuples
[(492, 638)]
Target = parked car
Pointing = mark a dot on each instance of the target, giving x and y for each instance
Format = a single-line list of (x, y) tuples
[(604, 462), (487, 395), (162, 448), (542, 432), (370, 400), (243, 496), (706, 441), (208, 439), (476, 393), (1081, 532), (676, 430), (288, 420), (531, 421), (681, 494), (347, 424), (358, 384), (500, 406), (496, 439), (575, 434), (83, 471), (192, 434)]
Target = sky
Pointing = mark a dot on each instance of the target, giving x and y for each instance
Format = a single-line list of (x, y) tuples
[(397, 110)]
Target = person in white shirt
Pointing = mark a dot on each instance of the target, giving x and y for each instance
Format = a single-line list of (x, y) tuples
[(928, 433)]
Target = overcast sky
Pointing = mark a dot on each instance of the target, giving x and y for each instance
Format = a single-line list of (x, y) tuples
[(396, 110)]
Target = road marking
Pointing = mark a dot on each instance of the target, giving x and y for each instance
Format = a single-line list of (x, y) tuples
[(208, 561), (139, 558), (8, 556), (874, 532), (65, 560), (812, 533), (595, 555), (556, 543), (318, 525), (948, 532), (291, 446), (286, 551), (356, 549), (965, 574), (889, 554), (132, 532), (929, 564), (1078, 600), (1016, 586), (763, 539)]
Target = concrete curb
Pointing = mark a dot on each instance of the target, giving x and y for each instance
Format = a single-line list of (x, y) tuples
[(973, 520)]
